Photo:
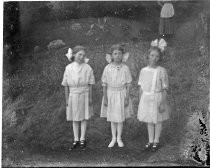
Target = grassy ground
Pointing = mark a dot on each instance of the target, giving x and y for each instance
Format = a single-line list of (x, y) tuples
[(41, 134), (97, 154)]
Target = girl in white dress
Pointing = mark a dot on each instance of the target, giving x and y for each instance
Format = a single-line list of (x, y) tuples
[(116, 103), (78, 80), (153, 107)]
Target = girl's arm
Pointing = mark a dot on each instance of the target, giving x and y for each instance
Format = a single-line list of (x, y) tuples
[(90, 94), (67, 94), (165, 84), (128, 90), (164, 95), (163, 103), (140, 92), (105, 95), (127, 95)]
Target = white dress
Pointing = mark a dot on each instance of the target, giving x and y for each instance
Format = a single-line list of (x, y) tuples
[(78, 78), (116, 78), (152, 82)]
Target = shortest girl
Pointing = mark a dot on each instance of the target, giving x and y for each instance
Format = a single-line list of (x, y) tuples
[(116, 103), (153, 108), (78, 80)]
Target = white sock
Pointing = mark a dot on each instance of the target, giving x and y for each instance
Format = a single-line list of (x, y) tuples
[(151, 129), (158, 129), (76, 130), (83, 129)]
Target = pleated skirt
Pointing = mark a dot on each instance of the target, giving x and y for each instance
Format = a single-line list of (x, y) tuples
[(78, 108), (166, 26), (116, 111), (148, 110)]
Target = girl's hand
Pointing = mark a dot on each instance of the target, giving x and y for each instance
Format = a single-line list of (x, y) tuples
[(126, 101), (105, 101), (162, 108), (163, 103), (90, 102)]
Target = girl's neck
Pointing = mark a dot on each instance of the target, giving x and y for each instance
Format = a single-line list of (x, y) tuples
[(78, 63), (153, 65), (117, 63)]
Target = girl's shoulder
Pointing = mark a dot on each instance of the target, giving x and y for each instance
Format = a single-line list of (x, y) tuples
[(87, 66), (144, 68), (68, 66), (108, 66), (125, 66), (161, 68)]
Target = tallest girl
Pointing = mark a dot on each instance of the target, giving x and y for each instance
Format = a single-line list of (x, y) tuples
[(153, 108)]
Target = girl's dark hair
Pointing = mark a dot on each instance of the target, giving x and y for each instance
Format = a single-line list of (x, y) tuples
[(117, 47), (75, 50), (156, 49)]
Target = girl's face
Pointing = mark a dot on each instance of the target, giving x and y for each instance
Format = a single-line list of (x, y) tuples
[(117, 56), (79, 56), (154, 57)]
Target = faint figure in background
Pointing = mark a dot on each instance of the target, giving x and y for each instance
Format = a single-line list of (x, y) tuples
[(166, 26)]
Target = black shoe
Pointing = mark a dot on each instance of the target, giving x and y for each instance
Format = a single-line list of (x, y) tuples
[(83, 144), (148, 146), (155, 146), (74, 145)]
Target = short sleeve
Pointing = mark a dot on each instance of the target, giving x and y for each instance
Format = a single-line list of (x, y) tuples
[(128, 76), (64, 82), (164, 79), (140, 78), (104, 77), (91, 78)]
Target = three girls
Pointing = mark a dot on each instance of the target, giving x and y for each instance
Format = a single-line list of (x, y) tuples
[(116, 103)]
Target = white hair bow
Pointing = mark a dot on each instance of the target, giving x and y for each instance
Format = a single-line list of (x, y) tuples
[(124, 59), (161, 44), (70, 54)]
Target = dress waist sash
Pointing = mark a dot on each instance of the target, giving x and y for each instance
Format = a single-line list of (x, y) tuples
[(114, 88), (79, 90), (151, 93)]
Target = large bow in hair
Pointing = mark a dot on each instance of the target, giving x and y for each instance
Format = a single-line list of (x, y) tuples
[(161, 44), (70, 54)]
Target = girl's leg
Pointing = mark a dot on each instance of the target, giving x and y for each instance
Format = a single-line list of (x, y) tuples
[(114, 131), (151, 129), (76, 130), (119, 134), (119, 130), (158, 129), (83, 129)]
